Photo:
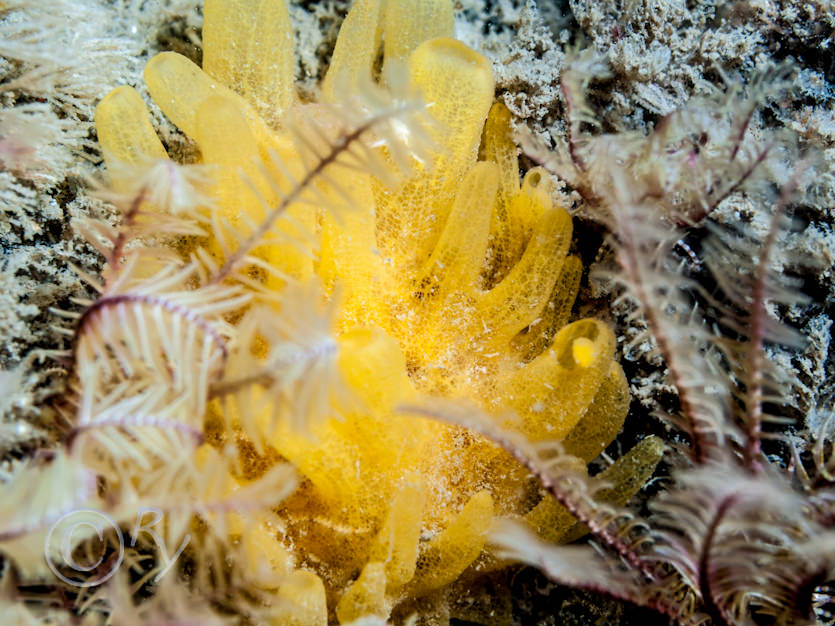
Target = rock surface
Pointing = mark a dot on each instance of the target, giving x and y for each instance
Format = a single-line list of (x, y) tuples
[(660, 53)]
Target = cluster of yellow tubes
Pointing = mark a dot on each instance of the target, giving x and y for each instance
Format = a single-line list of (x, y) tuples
[(457, 284)]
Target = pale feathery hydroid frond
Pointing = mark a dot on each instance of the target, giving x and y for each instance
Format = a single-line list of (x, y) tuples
[(144, 358), (59, 63), (206, 501), (29, 134), (573, 566), (760, 284), (734, 537), (159, 329), (43, 489), (202, 483), (644, 247), (297, 381), (173, 603), (694, 158), (196, 487), (158, 200), (169, 188), (55, 68)]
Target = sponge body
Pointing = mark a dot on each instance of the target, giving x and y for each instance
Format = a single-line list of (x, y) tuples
[(455, 283)]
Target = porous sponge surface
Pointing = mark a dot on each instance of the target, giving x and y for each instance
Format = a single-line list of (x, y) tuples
[(456, 283)]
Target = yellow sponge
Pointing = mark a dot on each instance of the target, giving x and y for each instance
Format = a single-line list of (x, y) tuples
[(455, 283)]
